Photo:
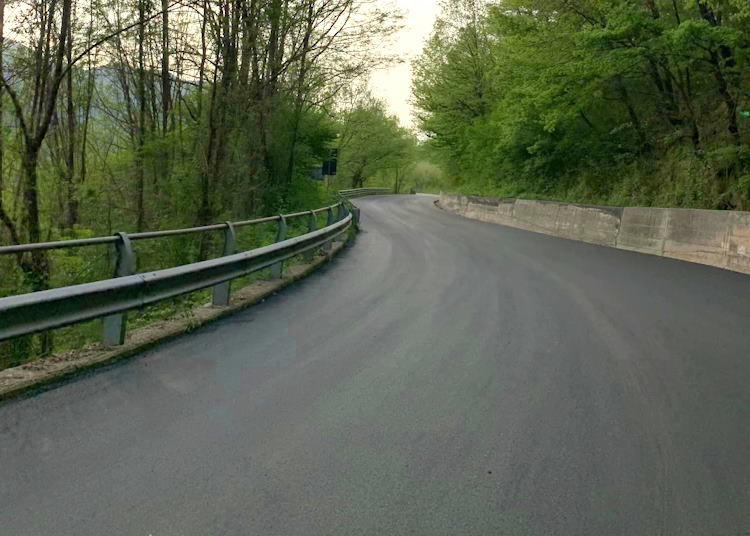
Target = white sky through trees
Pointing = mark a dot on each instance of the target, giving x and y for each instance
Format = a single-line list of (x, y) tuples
[(394, 84)]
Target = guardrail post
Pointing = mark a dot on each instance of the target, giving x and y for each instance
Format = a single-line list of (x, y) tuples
[(312, 225), (113, 326), (330, 220), (280, 236), (222, 290), (341, 212)]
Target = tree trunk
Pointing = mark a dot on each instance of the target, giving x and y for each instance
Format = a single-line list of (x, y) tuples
[(622, 90), (2, 122), (72, 208), (165, 82), (729, 100), (86, 114), (141, 138), (299, 100)]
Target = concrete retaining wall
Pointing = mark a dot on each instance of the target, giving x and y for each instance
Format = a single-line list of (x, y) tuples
[(488, 209), (643, 229), (713, 237), (739, 242)]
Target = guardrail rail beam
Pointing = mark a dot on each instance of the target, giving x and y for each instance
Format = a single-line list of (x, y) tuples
[(110, 299)]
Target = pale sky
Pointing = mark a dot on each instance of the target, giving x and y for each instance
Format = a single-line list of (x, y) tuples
[(394, 84)]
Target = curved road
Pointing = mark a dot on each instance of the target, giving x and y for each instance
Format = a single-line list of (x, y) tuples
[(442, 377)]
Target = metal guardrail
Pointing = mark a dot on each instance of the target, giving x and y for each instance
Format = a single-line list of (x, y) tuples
[(346, 195), (25, 314), (360, 192), (22, 248)]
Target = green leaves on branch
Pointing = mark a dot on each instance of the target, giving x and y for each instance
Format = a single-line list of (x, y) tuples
[(590, 100), (371, 142)]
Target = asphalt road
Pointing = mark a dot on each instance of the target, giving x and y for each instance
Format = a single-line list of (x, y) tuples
[(441, 377)]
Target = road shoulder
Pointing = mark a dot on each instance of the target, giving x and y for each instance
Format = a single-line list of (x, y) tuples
[(45, 373)]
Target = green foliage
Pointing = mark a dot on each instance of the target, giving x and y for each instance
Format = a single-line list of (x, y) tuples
[(371, 143), (626, 102)]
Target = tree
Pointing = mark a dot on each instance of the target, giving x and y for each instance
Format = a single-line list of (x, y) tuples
[(370, 140), (591, 101)]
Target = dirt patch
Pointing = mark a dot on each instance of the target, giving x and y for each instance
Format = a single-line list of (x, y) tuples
[(36, 374)]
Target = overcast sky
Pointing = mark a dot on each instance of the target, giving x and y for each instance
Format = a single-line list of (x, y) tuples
[(394, 84)]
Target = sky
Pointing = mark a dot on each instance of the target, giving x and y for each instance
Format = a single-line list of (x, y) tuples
[(394, 84)]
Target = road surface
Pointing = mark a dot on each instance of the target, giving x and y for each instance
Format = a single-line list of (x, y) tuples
[(442, 377)]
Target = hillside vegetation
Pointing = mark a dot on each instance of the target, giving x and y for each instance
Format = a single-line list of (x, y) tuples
[(639, 102)]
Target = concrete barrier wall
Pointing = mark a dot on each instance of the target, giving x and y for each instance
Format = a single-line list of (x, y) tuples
[(481, 208), (713, 237), (643, 229), (489, 209), (452, 203), (536, 216), (596, 225), (739, 242), (698, 236)]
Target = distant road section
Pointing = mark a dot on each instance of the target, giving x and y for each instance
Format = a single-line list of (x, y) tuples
[(442, 377)]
